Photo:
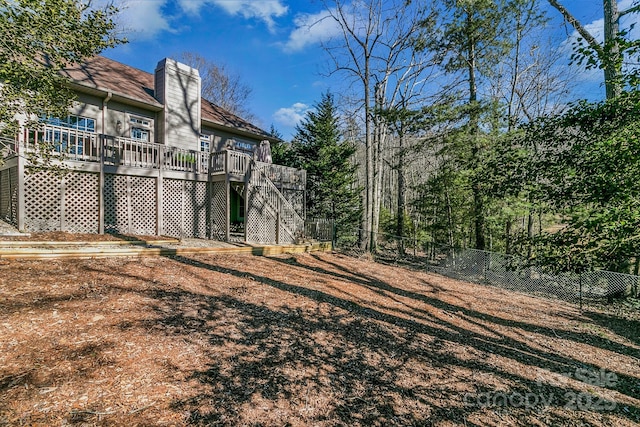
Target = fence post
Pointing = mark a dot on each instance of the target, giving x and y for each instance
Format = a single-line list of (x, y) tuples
[(334, 232), (485, 264), (160, 192), (580, 289)]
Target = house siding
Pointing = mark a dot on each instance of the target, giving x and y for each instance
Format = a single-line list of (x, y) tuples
[(92, 107), (220, 139)]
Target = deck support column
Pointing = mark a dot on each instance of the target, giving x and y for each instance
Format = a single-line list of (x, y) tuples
[(20, 205), (160, 192), (227, 196), (247, 179), (101, 185)]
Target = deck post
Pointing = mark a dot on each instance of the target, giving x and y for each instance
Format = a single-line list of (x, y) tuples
[(101, 153), (227, 196), (247, 179), (20, 205), (159, 192)]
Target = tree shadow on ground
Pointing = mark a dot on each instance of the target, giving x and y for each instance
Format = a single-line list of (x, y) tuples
[(627, 384), (628, 328), (622, 327), (337, 361)]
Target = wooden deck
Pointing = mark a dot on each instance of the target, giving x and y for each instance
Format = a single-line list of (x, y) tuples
[(112, 152), (114, 184)]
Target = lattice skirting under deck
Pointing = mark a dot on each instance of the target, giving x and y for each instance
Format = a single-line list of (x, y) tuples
[(70, 201), (62, 201), (9, 195), (261, 222), (185, 208), (130, 204), (218, 216)]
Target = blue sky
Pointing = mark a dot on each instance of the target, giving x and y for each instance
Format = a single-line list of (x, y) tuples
[(270, 46)]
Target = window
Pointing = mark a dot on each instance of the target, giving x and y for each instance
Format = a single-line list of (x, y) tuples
[(83, 124), (67, 141), (205, 143), (140, 122), (139, 134), (140, 128)]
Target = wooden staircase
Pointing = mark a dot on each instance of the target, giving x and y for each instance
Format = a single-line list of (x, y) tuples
[(263, 195)]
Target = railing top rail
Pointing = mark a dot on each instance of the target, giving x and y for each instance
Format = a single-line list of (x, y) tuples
[(285, 173), (8, 147)]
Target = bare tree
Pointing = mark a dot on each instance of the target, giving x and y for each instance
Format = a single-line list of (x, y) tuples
[(221, 86), (531, 79), (375, 50)]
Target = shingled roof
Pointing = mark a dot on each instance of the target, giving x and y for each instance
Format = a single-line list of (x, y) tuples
[(106, 75)]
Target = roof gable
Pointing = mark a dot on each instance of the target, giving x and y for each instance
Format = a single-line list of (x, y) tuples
[(127, 82), (219, 116), (111, 76)]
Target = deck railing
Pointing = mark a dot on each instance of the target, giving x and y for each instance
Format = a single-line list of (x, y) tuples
[(283, 174), (120, 151), (179, 159), (230, 162), (71, 144), (76, 145), (8, 148), (238, 163)]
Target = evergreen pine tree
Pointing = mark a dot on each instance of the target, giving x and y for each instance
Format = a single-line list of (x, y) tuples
[(318, 148), (280, 150)]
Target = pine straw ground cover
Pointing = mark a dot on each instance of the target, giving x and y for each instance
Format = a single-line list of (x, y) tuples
[(318, 340)]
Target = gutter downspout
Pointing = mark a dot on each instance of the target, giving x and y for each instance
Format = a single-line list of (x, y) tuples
[(101, 142)]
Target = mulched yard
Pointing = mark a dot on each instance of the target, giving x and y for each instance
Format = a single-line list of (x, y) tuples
[(313, 339)]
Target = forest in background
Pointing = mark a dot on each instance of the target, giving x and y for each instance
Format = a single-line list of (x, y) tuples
[(455, 125), (459, 121)]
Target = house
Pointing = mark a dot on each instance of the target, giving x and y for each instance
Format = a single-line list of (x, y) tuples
[(146, 154)]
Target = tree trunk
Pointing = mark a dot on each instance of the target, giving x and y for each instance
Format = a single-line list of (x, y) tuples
[(610, 59), (366, 235), (401, 196), (611, 29), (449, 218), (530, 234), (478, 203), (507, 236)]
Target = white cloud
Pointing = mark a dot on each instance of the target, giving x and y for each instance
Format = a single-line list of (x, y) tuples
[(596, 29), (291, 116), (311, 29), (264, 10), (141, 19)]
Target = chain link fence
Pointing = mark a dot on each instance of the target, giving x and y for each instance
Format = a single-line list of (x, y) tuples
[(505, 271), (509, 272)]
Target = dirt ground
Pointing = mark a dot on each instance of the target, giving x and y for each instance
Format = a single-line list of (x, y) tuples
[(313, 339)]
